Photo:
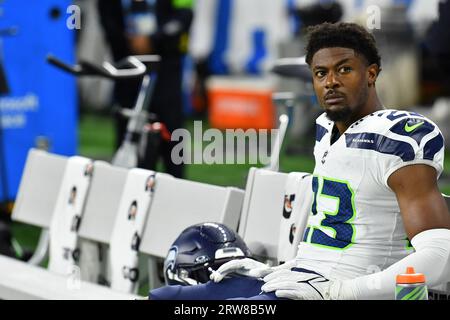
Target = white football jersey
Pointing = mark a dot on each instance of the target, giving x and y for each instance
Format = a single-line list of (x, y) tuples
[(355, 226)]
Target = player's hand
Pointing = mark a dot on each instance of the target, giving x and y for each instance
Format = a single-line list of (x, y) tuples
[(296, 284), (247, 267)]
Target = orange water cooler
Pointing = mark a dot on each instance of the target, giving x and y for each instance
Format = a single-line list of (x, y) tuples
[(241, 102)]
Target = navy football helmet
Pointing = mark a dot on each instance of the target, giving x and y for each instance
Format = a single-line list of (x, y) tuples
[(198, 250)]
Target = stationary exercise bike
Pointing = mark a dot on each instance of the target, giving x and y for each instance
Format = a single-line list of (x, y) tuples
[(144, 131)]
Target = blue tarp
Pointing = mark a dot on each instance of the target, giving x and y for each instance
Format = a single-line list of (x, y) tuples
[(41, 105)]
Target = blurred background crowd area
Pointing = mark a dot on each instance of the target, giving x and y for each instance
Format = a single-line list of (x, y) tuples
[(232, 44)]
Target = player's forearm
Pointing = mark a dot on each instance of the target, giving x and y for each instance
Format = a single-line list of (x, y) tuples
[(431, 258)]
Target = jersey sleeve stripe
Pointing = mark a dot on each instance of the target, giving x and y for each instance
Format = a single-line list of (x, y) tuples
[(432, 147), (320, 132), (380, 143)]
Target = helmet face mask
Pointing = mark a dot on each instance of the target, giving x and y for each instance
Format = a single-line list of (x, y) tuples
[(198, 250)]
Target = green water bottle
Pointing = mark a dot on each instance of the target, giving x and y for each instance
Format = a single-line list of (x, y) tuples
[(411, 286)]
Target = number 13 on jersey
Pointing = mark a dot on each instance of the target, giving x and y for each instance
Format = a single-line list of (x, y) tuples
[(336, 230)]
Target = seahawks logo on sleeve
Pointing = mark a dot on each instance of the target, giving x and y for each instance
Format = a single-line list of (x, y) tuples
[(417, 129), (414, 128)]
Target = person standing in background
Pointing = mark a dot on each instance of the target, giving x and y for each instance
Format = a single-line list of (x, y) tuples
[(151, 27)]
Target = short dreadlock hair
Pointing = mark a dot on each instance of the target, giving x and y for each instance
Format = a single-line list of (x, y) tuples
[(345, 35)]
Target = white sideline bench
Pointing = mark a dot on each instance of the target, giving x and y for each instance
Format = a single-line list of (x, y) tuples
[(23, 281), (35, 204), (196, 202), (261, 212), (37, 195), (39, 187), (178, 204), (269, 232), (175, 204), (298, 197)]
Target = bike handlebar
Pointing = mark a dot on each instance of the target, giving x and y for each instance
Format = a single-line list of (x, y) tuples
[(292, 68), (137, 66)]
